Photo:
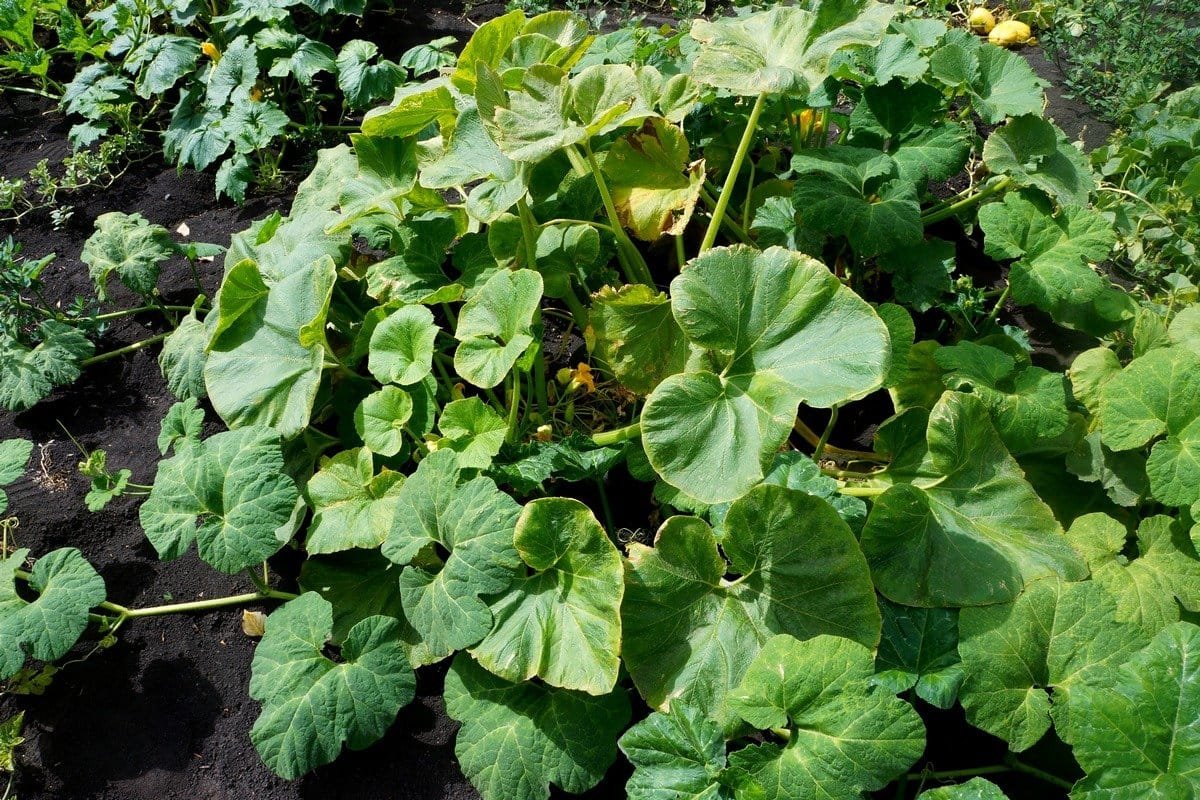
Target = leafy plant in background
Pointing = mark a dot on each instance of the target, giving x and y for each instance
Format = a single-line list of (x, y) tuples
[(750, 228)]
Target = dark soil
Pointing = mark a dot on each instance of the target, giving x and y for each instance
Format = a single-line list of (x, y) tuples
[(164, 714)]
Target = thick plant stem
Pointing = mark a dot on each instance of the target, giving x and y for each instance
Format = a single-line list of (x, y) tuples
[(996, 309), (945, 212), (128, 312), (714, 225), (811, 436), (514, 405), (617, 435), (636, 270), (824, 440), (131, 348), (862, 491), (529, 233)]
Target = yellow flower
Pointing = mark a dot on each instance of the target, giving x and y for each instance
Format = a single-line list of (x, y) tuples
[(582, 377), (209, 49), (544, 433), (256, 94)]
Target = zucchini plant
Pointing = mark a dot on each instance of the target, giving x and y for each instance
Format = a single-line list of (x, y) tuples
[(750, 228)]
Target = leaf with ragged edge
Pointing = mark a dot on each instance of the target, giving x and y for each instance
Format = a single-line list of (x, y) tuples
[(495, 327), (473, 430), (402, 346), (1157, 394), (352, 506), (294, 54), (921, 273), (473, 523), (678, 755), (690, 633), (527, 466), (1053, 251), (183, 423), (381, 417), (267, 351), (230, 494), (632, 330), (1027, 404), (1146, 587), (858, 193), (1000, 84), (918, 650), (1033, 152), (182, 358), (128, 246), (67, 589), (1133, 724), (974, 789), (846, 739), (312, 706), (518, 738), (654, 183), (362, 82), (560, 623), (232, 78), (786, 49), (29, 374), (387, 171), (1022, 659), (359, 584), (780, 330), (960, 526), (14, 455), (509, 42)]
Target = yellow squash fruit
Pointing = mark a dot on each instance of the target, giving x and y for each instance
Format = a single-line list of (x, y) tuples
[(981, 20), (1010, 33)]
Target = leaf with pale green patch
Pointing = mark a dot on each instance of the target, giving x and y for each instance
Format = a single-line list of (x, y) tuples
[(632, 330), (1022, 659), (402, 346), (561, 622), (846, 738), (1033, 152), (67, 588), (380, 420), (473, 430), (518, 738), (960, 525), (654, 182), (690, 633), (312, 706), (1146, 587), (471, 524), (352, 506), (230, 494), (779, 329), (786, 49)]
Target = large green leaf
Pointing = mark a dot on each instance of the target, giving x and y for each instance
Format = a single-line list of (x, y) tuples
[(1145, 588), (918, 650), (387, 171), (472, 158), (402, 346), (690, 632), (495, 327), (473, 430), (960, 526), (128, 246), (1134, 725), (362, 82), (654, 182), (359, 584), (381, 419), (675, 755), (14, 455), (1156, 394), (312, 706), (1053, 251), (858, 193), (1000, 84), (518, 738), (562, 622), (472, 524), (633, 331), (182, 358), (27, 374), (779, 329), (268, 348), (413, 273), (230, 494), (1022, 659), (1033, 152), (67, 589), (352, 506), (786, 49), (845, 738)]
